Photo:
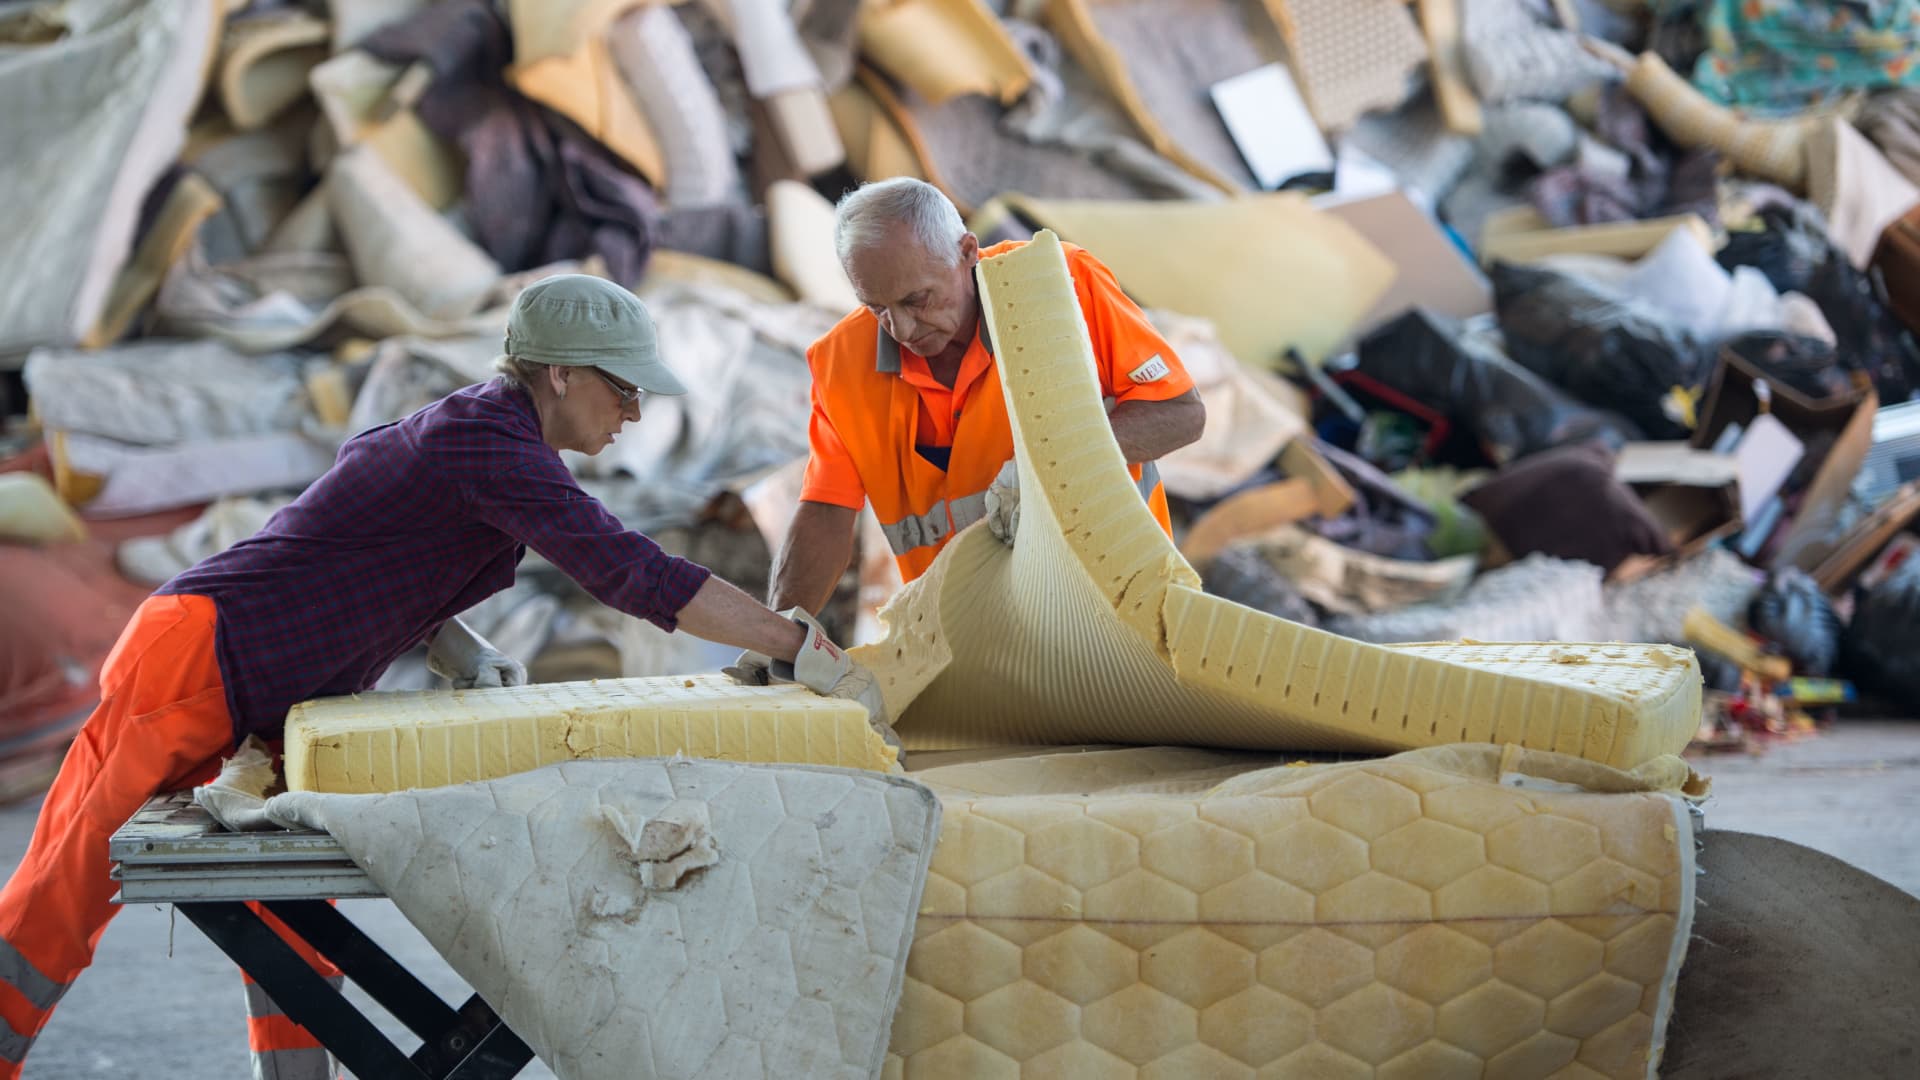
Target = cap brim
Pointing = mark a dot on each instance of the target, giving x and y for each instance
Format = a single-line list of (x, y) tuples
[(650, 375)]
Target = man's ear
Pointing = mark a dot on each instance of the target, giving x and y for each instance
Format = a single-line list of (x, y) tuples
[(557, 379), (969, 250)]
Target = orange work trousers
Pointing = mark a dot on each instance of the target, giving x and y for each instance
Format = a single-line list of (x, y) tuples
[(162, 725)]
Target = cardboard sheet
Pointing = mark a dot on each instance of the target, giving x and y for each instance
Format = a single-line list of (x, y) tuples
[(1270, 272), (1430, 270)]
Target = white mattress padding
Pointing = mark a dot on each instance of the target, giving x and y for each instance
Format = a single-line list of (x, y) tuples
[(661, 918)]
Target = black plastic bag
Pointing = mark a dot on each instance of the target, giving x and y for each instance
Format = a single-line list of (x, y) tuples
[(1603, 349), (1790, 247), (1881, 649), (1866, 331), (1793, 250), (1511, 411), (1791, 610), (1806, 364)]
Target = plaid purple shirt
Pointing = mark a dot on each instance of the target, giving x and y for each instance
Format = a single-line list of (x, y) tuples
[(417, 521)]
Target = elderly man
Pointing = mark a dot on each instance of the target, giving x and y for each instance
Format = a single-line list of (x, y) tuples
[(417, 521), (907, 406)]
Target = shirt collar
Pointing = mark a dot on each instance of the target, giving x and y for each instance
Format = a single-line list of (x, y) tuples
[(886, 351)]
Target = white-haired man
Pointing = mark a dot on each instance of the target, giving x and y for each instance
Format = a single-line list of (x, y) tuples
[(907, 408)]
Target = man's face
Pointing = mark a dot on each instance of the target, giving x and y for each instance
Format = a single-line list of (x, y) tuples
[(923, 299)]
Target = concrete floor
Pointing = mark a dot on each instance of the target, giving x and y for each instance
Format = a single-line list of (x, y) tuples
[(162, 1001)]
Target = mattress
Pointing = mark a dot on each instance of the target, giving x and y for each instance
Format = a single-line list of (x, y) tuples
[(1158, 912)]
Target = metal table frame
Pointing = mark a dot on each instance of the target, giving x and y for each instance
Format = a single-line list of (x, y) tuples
[(173, 852)]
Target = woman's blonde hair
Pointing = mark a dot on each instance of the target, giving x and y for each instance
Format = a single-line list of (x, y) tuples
[(519, 372)]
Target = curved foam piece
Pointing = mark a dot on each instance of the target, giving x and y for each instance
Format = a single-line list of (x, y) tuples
[(396, 240), (356, 95), (32, 512), (1772, 149), (1858, 190), (1163, 912), (264, 64), (1093, 629), (800, 234), (944, 48), (386, 742), (656, 58), (561, 59), (174, 230)]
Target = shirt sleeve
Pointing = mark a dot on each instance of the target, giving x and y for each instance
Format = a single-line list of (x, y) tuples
[(1136, 363), (831, 477), (539, 504)]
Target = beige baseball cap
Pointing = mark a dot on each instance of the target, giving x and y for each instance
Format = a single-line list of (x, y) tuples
[(578, 320)]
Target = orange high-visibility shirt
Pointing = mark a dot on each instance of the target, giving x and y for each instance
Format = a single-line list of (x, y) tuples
[(878, 412)]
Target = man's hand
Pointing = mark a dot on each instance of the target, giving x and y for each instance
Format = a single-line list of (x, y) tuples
[(1003, 503), (469, 661)]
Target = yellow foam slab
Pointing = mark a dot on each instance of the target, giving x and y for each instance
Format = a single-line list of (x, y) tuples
[(1157, 912), (390, 742), (1093, 629)]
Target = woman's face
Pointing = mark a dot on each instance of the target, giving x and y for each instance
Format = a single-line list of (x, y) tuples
[(591, 409)]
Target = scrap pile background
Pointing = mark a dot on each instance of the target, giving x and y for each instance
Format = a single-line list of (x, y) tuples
[(1516, 319)]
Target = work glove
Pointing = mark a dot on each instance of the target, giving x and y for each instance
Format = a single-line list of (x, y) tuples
[(751, 669), (469, 661), (1003, 503), (825, 668), (238, 796)]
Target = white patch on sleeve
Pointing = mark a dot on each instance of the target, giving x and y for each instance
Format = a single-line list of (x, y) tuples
[(1153, 370)]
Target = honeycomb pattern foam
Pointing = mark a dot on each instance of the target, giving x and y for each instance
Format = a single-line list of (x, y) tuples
[(1153, 914), (1093, 629)]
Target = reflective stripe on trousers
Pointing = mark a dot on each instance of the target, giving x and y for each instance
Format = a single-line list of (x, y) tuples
[(13, 1045), (39, 992), (18, 972), (267, 1022)]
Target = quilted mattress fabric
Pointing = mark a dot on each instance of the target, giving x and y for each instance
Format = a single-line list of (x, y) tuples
[(666, 919), (1161, 913)]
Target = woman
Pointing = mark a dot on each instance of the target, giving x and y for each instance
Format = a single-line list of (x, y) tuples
[(416, 521)]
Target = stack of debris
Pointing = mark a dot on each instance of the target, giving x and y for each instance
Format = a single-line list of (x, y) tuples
[(1560, 321)]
